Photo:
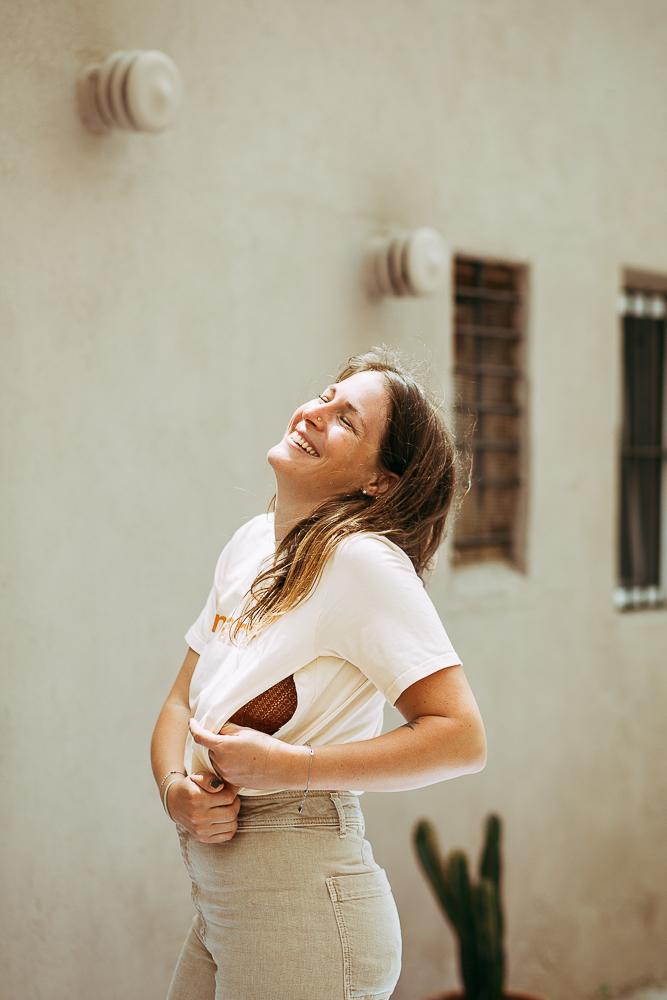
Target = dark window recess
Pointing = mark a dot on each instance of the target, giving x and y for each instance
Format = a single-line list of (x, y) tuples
[(489, 376), (643, 455)]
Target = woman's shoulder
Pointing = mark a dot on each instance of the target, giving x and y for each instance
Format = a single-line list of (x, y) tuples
[(258, 525), (257, 530), (369, 552)]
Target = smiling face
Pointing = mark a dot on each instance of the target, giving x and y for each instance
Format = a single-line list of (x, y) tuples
[(344, 426)]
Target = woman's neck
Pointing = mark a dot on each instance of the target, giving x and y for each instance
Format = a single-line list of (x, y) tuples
[(288, 512)]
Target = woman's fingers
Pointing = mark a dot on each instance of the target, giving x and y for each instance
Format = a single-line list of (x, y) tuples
[(209, 782), (212, 783), (213, 827), (214, 820), (201, 735), (218, 838)]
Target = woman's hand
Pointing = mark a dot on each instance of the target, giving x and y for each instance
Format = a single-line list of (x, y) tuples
[(207, 812), (246, 757)]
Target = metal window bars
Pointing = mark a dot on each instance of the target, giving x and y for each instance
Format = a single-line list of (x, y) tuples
[(642, 538), (489, 376)]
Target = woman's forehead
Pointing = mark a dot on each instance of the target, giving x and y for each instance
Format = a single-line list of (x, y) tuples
[(364, 384)]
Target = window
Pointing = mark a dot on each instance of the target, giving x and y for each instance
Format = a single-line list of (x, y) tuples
[(489, 404), (643, 439)]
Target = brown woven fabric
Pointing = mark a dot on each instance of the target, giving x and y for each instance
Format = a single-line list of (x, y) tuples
[(269, 710)]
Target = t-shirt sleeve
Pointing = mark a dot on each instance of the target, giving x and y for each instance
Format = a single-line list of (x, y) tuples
[(202, 629), (377, 614)]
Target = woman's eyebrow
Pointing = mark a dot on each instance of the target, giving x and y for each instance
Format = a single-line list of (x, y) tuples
[(349, 406)]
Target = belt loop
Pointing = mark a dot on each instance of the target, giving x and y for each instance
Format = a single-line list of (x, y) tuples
[(340, 809)]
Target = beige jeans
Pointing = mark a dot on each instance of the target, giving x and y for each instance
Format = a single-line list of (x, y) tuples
[(293, 907)]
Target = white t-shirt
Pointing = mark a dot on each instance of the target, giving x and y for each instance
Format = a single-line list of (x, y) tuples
[(367, 630)]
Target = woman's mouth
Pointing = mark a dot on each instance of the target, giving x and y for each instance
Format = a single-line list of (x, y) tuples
[(294, 438)]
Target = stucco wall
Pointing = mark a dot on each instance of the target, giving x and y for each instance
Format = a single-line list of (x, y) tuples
[(167, 300)]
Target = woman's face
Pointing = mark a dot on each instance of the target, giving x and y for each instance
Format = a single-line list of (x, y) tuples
[(344, 426)]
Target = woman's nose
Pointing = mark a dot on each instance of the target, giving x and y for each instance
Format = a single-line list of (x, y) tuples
[(314, 414)]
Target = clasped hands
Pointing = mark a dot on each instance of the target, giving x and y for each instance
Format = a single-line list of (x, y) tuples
[(246, 757), (207, 806)]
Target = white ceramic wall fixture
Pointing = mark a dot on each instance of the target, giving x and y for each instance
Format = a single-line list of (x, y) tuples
[(408, 263), (137, 90)]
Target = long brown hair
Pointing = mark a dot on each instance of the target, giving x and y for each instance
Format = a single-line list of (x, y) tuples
[(417, 445)]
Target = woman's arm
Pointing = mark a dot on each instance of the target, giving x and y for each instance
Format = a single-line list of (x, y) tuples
[(209, 813), (422, 752), (171, 728), (168, 740), (443, 738)]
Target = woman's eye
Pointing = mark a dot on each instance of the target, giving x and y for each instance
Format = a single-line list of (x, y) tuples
[(343, 419)]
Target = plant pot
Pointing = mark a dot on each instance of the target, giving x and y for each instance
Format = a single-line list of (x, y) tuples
[(507, 995)]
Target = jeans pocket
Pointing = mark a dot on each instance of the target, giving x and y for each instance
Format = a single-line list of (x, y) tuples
[(370, 933)]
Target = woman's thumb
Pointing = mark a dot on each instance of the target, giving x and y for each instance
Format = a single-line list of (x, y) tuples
[(209, 782)]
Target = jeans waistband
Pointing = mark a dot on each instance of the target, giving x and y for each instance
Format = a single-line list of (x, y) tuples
[(323, 808)]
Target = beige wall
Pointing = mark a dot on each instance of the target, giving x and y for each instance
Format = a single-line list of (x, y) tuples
[(167, 300)]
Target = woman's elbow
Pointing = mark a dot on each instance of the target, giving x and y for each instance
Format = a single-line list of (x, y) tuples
[(479, 754)]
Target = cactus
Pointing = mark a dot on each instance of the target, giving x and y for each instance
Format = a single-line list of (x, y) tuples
[(474, 910)]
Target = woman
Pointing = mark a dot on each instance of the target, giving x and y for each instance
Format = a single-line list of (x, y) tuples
[(271, 732)]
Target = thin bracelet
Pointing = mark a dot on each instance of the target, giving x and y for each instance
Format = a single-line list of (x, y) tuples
[(310, 761), (165, 793), (167, 775)]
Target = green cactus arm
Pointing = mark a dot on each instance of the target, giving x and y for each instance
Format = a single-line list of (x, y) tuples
[(457, 880), (428, 854), (490, 865), (485, 910)]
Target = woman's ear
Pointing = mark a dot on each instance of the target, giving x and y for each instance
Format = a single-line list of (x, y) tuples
[(383, 482)]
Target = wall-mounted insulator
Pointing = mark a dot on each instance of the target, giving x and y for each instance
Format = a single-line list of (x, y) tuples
[(136, 90), (408, 263)]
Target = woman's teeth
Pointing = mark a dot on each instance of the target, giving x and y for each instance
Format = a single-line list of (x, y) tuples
[(296, 437)]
